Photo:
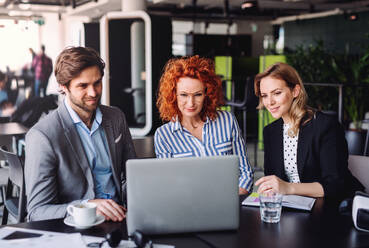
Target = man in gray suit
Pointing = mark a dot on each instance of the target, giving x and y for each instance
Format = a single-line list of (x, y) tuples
[(78, 152)]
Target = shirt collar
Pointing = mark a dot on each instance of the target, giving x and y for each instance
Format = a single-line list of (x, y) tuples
[(76, 119), (177, 126)]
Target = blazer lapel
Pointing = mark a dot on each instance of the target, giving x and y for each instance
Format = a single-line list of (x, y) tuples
[(279, 159), (304, 140), (109, 132), (75, 143)]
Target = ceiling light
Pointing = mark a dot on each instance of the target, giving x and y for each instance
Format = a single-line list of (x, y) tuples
[(19, 13), (23, 6), (14, 13), (246, 5), (10, 5), (352, 17)]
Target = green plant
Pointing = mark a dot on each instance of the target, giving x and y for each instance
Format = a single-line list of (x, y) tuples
[(353, 72), (316, 65)]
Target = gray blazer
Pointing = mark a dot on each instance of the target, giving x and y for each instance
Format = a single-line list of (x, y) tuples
[(57, 172)]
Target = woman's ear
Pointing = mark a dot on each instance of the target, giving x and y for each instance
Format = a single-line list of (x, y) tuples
[(296, 90)]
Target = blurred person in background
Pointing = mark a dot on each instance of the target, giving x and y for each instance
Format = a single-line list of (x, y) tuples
[(6, 107), (42, 66), (33, 54), (3, 93)]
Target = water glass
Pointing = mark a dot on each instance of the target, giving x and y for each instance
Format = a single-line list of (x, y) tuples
[(270, 207)]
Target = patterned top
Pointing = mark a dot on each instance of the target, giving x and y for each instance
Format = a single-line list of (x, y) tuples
[(219, 137), (290, 155)]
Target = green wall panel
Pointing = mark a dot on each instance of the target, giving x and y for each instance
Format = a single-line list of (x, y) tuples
[(223, 67)]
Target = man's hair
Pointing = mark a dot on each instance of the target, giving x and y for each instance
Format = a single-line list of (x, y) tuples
[(73, 60), (43, 48), (2, 76)]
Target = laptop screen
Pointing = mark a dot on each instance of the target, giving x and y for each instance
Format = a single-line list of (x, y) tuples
[(182, 194)]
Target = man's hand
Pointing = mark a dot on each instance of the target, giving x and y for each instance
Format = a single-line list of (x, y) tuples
[(109, 209)]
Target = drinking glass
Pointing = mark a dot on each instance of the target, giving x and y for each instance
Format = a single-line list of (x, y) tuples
[(270, 207)]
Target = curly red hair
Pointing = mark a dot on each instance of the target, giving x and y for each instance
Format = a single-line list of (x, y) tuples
[(192, 67)]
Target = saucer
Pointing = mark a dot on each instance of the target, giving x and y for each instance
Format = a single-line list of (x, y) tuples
[(70, 222)]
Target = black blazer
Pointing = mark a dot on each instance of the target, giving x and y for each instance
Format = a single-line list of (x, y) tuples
[(322, 155)]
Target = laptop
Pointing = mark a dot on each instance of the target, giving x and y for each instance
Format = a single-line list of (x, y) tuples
[(182, 194)]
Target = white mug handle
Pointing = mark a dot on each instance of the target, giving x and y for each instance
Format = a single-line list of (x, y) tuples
[(70, 209)]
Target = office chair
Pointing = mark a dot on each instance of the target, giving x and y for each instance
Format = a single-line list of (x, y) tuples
[(248, 103), (359, 167), (144, 147), (6, 144), (14, 205)]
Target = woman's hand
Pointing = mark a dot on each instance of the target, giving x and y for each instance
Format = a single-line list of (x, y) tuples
[(242, 191), (275, 184)]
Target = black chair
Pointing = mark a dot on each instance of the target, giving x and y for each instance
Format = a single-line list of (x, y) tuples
[(355, 142), (144, 147), (30, 110), (247, 104), (14, 205)]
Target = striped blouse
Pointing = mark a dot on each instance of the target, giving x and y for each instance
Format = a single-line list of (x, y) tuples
[(219, 137)]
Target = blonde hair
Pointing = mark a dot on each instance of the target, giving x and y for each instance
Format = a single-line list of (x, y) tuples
[(299, 107)]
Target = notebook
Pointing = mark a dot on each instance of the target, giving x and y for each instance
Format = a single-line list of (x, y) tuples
[(290, 201), (179, 195)]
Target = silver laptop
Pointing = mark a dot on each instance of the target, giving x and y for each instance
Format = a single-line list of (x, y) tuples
[(182, 194)]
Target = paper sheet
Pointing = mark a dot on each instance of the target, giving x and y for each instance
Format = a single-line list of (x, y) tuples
[(8, 230), (291, 201), (57, 240), (73, 240)]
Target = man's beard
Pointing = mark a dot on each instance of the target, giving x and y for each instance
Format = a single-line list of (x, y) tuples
[(85, 107)]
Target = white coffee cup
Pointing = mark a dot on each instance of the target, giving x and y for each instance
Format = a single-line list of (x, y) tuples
[(83, 214)]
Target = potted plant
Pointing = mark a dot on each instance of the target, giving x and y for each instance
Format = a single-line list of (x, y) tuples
[(313, 64), (353, 72), (316, 65)]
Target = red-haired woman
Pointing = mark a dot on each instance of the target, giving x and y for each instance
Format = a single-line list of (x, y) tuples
[(189, 95)]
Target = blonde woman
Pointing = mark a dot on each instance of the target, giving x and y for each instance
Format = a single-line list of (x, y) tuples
[(305, 150)]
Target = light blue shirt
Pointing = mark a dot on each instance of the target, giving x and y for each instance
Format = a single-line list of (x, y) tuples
[(219, 137), (97, 151), (3, 96)]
